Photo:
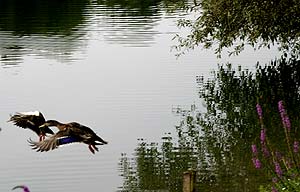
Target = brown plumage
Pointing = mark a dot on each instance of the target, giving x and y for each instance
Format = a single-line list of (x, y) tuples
[(32, 121), (68, 133)]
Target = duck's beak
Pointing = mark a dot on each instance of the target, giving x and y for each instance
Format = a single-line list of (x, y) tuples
[(42, 126)]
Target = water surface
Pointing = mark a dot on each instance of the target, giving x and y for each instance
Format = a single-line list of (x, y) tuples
[(107, 65)]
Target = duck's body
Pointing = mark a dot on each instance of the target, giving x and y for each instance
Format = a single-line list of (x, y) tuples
[(31, 120), (68, 133)]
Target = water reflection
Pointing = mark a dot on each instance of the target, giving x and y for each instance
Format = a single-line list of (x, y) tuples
[(61, 29), (41, 17), (133, 23), (47, 28), (216, 143), (130, 93), (11, 55)]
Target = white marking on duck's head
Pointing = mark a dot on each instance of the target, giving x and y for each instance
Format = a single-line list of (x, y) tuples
[(36, 113)]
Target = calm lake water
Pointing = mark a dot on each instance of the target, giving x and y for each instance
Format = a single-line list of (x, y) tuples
[(107, 65)]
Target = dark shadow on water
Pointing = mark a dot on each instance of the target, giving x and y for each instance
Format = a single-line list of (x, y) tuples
[(217, 143), (57, 29), (47, 28), (41, 17)]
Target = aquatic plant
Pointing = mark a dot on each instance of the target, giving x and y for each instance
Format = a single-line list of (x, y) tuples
[(281, 164)]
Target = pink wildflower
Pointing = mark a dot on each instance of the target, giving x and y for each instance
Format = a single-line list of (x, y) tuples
[(254, 149), (296, 146), (263, 136), (278, 170), (256, 163), (274, 189), (265, 150), (259, 111), (284, 117)]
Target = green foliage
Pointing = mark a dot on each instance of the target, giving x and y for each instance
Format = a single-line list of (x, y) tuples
[(236, 23), (295, 183)]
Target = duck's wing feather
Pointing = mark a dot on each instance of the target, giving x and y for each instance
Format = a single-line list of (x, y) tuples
[(20, 121), (67, 140), (24, 122), (60, 138), (31, 120)]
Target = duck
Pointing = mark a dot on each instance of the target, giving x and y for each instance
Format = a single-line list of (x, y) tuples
[(31, 120), (68, 133), (25, 188)]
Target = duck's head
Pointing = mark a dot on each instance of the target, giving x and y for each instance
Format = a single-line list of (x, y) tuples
[(50, 123), (25, 189)]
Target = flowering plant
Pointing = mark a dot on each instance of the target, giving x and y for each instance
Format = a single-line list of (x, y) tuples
[(283, 165)]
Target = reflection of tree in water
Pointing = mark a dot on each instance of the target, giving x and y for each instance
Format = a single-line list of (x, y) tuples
[(47, 28), (57, 29), (132, 23), (217, 143), (41, 17), (142, 8)]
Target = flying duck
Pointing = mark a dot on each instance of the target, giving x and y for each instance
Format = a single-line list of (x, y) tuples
[(68, 133), (25, 189), (31, 120)]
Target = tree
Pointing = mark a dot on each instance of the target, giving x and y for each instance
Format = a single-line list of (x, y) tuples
[(236, 23)]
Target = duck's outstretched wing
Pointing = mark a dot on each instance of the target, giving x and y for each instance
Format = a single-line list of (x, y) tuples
[(23, 121), (53, 142), (31, 120)]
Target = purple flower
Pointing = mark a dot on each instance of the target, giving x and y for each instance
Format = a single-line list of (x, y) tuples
[(263, 136), (278, 155), (259, 111), (284, 117), (288, 163), (296, 146), (25, 188), (265, 150), (254, 149), (274, 189), (274, 179), (278, 170), (256, 163)]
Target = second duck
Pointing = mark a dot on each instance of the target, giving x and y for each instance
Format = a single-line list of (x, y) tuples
[(68, 133)]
